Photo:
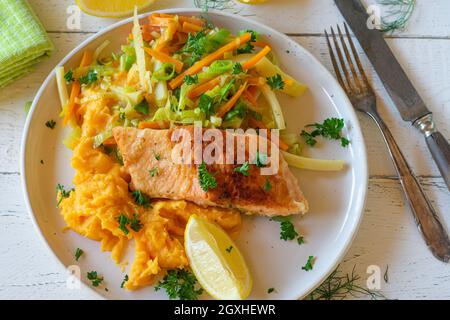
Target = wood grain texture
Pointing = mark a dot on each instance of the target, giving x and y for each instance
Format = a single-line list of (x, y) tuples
[(387, 236)]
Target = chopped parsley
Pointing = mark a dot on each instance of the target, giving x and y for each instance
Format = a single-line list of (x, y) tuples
[(190, 80), (243, 169), (125, 279), (69, 76), (248, 47), (261, 159), (300, 240), (134, 223), (95, 278), (237, 68), (89, 78), (50, 124), (142, 107), (180, 284), (330, 129), (229, 249), (141, 199), (153, 172), (158, 157), (276, 82), (309, 264), (267, 185), (62, 193), (206, 179), (78, 253), (287, 228), (270, 290)]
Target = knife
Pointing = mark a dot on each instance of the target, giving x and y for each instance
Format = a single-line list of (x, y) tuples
[(402, 92)]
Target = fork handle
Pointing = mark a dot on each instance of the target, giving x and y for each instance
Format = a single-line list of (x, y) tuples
[(425, 216)]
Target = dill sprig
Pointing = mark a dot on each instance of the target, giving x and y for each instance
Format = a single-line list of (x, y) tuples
[(398, 14), (338, 286)]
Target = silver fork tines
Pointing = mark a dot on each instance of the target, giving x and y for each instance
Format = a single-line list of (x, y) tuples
[(356, 83)]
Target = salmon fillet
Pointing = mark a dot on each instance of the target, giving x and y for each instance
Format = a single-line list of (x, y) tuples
[(147, 156)]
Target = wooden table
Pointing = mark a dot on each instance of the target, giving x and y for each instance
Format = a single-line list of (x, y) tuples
[(388, 235)]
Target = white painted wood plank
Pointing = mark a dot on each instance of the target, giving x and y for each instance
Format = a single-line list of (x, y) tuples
[(387, 236), (290, 16), (427, 62)]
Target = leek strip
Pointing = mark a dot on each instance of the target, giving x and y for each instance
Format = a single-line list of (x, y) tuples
[(99, 50), (275, 105), (62, 87), (144, 76), (313, 164)]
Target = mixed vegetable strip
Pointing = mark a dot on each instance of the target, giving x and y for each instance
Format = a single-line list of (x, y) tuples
[(177, 70)]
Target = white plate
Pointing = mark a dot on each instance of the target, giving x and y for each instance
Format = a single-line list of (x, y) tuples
[(336, 199)]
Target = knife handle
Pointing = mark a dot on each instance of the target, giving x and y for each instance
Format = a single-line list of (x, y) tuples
[(426, 217), (438, 145)]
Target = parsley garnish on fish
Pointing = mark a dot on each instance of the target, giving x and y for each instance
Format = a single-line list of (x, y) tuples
[(180, 284), (125, 279), (69, 76), (237, 68), (243, 169), (309, 264), (62, 193), (229, 249), (261, 159), (95, 278), (267, 185), (158, 157), (89, 78), (206, 179), (78, 253), (50, 124), (153, 172), (141, 199), (190, 80), (276, 82), (331, 129)]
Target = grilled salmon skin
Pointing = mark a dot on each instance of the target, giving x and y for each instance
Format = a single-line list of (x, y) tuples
[(148, 158)]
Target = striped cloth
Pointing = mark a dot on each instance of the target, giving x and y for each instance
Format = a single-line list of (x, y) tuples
[(23, 41)]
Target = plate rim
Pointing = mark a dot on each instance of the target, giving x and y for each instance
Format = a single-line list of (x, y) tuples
[(360, 202)]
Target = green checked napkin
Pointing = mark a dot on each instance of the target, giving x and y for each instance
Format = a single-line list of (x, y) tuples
[(23, 41)]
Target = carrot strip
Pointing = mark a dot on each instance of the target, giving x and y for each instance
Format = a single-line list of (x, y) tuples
[(224, 109), (256, 81), (160, 21), (198, 66), (192, 20), (250, 98), (154, 125), (76, 87), (190, 27), (261, 44), (109, 142), (165, 58), (260, 125), (256, 58), (199, 90)]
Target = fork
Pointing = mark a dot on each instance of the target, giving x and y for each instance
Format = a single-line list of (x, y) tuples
[(357, 87)]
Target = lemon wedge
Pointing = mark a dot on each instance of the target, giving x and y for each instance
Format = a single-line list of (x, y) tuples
[(112, 8), (215, 260)]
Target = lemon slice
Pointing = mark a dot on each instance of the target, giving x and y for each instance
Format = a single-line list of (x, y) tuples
[(112, 8), (216, 261)]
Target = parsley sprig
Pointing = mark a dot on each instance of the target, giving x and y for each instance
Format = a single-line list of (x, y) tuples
[(62, 193), (206, 179), (78, 253), (141, 199), (180, 284), (276, 82), (330, 129), (309, 264), (89, 78), (134, 223), (244, 169), (287, 229), (190, 80)]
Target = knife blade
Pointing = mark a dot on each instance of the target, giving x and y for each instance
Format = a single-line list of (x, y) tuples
[(402, 92)]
